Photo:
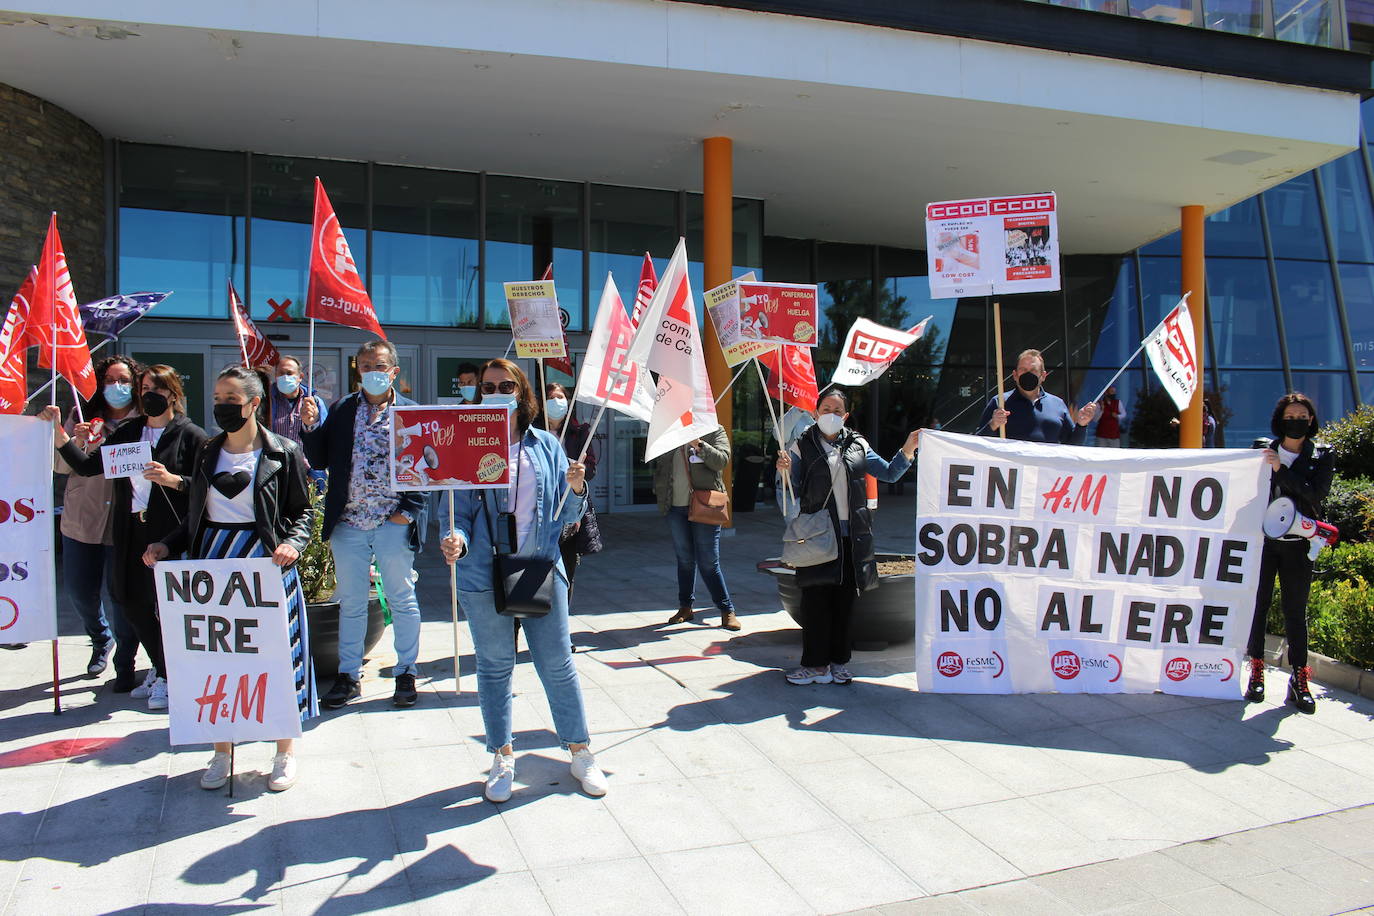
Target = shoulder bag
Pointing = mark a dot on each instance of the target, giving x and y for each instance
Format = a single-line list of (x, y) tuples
[(809, 539), (520, 586), (705, 507)]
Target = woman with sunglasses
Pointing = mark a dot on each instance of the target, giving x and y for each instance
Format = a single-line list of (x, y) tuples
[(524, 521), (145, 508)]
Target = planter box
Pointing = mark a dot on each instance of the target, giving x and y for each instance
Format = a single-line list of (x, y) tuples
[(882, 617), (324, 635), (1325, 670)]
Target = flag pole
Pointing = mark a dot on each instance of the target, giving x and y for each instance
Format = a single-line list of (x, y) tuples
[(1138, 350), (777, 430), (453, 602), (582, 453), (1001, 391), (310, 373), (56, 683), (738, 372)]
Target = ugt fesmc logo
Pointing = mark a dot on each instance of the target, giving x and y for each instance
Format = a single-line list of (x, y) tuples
[(1180, 669), (952, 664), (1067, 665)]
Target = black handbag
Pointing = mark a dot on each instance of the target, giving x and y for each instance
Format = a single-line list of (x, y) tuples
[(520, 586)]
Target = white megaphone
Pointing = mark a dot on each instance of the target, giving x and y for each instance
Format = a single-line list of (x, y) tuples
[(1282, 519)]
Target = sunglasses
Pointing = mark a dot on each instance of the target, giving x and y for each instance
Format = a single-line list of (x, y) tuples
[(503, 387)]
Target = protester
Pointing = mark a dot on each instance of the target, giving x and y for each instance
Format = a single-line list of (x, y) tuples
[(1031, 413), (1209, 425), (467, 383), (249, 497), (365, 519), (698, 465), (289, 393), (827, 467), (1301, 470), (144, 508), (582, 537), (87, 557), (1109, 423), (523, 522)]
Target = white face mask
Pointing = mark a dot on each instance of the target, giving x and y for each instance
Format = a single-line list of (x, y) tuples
[(830, 423), (497, 399), (556, 408)]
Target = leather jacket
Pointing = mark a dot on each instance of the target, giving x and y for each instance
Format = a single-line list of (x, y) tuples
[(1308, 480), (282, 513)]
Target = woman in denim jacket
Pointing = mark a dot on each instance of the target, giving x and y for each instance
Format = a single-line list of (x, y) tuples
[(541, 479)]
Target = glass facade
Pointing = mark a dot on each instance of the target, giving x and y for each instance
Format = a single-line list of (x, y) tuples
[(1309, 22)]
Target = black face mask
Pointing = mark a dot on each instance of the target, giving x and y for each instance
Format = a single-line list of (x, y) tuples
[(1028, 381), (154, 403), (229, 417), (1295, 428)]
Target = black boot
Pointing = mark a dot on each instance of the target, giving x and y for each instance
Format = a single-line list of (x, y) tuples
[(1255, 692), (1298, 692)]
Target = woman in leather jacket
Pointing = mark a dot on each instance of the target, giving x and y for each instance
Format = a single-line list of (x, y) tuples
[(248, 497), (1302, 471), (827, 466)]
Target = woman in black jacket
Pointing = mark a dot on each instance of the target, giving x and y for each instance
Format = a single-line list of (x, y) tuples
[(1302, 471), (827, 466), (145, 508), (249, 498)]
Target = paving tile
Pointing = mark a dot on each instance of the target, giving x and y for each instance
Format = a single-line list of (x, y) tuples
[(940, 778), (708, 751), (834, 870), (1341, 787), (1219, 861), (97, 886), (554, 830), (936, 853), (1227, 733), (1023, 769), (1221, 901), (511, 892), (1016, 714), (1094, 755), (1157, 873), (1026, 836), (944, 905), (669, 815), (627, 886), (1347, 880), (764, 803), (1024, 898), (1117, 825), (726, 879), (856, 790), (1145, 737), (1291, 893), (778, 739), (1254, 789), (1093, 888), (1181, 802), (940, 718)]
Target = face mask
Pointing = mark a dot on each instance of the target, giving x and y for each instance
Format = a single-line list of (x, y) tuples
[(288, 384), (229, 417), (154, 404), (830, 423), (497, 399), (376, 383), (556, 408), (1028, 381), (119, 394), (468, 392), (1295, 429)]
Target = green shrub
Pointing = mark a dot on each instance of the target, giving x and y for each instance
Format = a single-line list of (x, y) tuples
[(1346, 563), (1341, 621), (1350, 507), (1352, 439)]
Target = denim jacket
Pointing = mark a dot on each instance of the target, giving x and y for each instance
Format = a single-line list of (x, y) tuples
[(470, 518)]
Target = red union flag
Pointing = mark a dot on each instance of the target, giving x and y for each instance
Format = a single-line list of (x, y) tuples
[(55, 319), (336, 292), (1173, 353), (607, 377), (798, 376), (648, 282), (870, 348), (257, 350), (14, 386)]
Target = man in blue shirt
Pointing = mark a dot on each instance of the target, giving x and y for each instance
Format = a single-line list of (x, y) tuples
[(1033, 414)]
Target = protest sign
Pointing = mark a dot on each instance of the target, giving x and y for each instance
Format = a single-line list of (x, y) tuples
[(1053, 568), (127, 460), (869, 348), (993, 245), (28, 584), (460, 447), (722, 304), (534, 320), (228, 653), (779, 312)]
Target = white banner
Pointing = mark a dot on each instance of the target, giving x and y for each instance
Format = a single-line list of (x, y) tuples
[(1173, 353), (607, 377), (28, 583), (127, 460), (224, 635), (991, 245), (1082, 570), (869, 348)]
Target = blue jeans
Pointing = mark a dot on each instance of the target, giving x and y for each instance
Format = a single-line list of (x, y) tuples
[(698, 549), (87, 570), (493, 641), (354, 550)]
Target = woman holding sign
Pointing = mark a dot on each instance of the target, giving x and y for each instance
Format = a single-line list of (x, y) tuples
[(499, 530), (827, 465), (249, 497), (147, 505)]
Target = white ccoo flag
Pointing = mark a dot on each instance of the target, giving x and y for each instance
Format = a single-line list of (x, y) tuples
[(607, 376), (1173, 353), (870, 348)]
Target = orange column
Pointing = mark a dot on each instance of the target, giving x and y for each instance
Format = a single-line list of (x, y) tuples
[(1194, 282), (717, 259)]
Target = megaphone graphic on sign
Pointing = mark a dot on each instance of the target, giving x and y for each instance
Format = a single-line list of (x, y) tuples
[(1282, 519)]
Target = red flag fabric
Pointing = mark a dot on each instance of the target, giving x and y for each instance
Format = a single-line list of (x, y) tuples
[(53, 311), (648, 282), (257, 349), (799, 379), (561, 363), (14, 386), (336, 292)]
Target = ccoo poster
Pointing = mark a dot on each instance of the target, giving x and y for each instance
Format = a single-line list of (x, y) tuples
[(993, 245)]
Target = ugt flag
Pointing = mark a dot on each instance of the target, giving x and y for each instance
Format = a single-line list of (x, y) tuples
[(55, 321), (796, 375), (870, 348), (14, 386), (336, 292), (257, 349), (1173, 353), (111, 316), (607, 377), (668, 342)]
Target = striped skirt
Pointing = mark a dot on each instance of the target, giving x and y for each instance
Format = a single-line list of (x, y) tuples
[(240, 541)]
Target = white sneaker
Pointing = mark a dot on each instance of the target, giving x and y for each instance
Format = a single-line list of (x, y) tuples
[(501, 778), (217, 773), (802, 676), (157, 695), (283, 772), (588, 773), (141, 691), (840, 674)]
